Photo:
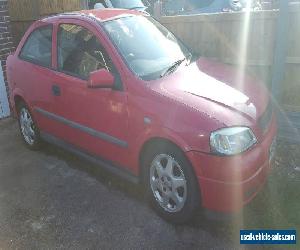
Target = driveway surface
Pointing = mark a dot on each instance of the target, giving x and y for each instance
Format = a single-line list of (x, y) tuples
[(51, 199)]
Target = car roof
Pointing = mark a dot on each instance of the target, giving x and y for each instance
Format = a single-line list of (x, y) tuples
[(101, 15)]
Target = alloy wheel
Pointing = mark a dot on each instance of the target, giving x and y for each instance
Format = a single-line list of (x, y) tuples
[(27, 126), (168, 183)]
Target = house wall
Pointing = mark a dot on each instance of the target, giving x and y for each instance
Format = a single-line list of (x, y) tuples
[(6, 47), (6, 40)]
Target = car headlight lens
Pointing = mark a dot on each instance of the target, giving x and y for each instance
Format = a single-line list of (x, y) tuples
[(232, 141)]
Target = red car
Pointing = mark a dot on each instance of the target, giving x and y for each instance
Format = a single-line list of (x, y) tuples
[(119, 89)]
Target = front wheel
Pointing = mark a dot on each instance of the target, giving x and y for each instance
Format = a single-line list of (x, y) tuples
[(171, 186)]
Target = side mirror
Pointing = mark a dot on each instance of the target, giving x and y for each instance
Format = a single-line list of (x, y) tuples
[(101, 79)]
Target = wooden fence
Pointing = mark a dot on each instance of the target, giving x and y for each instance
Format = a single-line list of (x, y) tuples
[(24, 12), (245, 39)]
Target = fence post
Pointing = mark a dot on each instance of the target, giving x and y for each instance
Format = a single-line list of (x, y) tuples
[(281, 43)]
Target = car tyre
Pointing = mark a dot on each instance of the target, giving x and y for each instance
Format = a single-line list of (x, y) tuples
[(170, 183), (28, 128)]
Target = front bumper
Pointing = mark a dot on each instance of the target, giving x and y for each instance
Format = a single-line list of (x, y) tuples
[(228, 183)]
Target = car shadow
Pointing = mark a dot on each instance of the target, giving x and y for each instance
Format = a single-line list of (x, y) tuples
[(219, 228), (106, 178)]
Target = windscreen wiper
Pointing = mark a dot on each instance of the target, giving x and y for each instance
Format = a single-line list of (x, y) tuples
[(189, 58), (136, 8), (173, 67)]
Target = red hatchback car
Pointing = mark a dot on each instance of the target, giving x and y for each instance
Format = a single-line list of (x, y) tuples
[(119, 89)]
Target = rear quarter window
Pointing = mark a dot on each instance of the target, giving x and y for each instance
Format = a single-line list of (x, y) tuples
[(38, 47)]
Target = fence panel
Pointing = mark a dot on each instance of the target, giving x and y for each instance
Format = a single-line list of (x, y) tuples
[(291, 84), (24, 12)]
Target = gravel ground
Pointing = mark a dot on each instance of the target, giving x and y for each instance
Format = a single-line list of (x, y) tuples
[(50, 199)]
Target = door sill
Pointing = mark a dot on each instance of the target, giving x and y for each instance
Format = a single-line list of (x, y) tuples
[(107, 165)]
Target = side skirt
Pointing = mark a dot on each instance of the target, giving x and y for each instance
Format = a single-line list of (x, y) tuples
[(107, 165)]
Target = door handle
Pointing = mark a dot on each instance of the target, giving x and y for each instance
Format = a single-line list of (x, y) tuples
[(56, 90)]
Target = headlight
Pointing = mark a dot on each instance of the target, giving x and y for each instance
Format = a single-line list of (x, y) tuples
[(231, 141)]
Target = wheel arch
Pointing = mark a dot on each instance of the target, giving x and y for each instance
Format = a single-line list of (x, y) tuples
[(150, 143), (18, 99)]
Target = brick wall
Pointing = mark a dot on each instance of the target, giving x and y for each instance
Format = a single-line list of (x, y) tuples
[(6, 41)]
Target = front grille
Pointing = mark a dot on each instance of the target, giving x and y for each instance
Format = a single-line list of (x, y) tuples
[(265, 119)]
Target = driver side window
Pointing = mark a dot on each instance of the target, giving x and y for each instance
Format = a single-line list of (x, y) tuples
[(80, 52)]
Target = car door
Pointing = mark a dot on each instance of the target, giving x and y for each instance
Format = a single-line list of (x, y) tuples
[(96, 120), (34, 71)]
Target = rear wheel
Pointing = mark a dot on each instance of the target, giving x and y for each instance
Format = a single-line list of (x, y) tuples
[(171, 185), (28, 128)]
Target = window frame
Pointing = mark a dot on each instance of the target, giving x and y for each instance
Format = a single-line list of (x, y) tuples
[(35, 62), (57, 51)]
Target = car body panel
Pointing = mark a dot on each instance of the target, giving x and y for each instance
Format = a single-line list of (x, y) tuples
[(216, 6), (74, 106), (129, 4), (228, 183)]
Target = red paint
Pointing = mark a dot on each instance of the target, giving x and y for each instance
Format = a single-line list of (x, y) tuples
[(101, 79), (184, 107)]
